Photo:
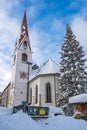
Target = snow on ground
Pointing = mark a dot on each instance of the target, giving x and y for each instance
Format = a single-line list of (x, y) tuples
[(18, 121), (5, 111), (62, 122), (21, 121)]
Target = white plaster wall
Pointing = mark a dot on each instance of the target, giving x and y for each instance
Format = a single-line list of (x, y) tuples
[(41, 82), (20, 85), (20, 93), (33, 86)]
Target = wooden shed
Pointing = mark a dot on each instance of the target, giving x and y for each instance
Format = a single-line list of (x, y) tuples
[(80, 102)]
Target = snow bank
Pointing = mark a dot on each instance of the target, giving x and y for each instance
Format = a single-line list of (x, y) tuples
[(18, 121), (5, 111), (55, 111), (21, 121), (62, 122)]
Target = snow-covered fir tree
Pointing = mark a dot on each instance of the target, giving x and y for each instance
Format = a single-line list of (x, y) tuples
[(72, 68)]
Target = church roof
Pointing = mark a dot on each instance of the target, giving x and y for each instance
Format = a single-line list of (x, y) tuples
[(24, 31), (48, 67)]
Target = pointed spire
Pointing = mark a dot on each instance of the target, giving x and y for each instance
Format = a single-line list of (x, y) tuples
[(24, 31), (24, 25)]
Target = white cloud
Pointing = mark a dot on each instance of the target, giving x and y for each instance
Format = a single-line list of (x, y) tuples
[(58, 25), (7, 5), (4, 57), (8, 30), (43, 45), (36, 42), (5, 73), (79, 27), (9, 27)]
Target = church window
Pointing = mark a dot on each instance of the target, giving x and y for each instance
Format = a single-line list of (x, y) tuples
[(14, 59), (25, 45), (24, 57), (31, 95), (21, 92), (48, 92), (36, 94)]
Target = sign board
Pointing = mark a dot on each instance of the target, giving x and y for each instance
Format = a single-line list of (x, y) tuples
[(42, 112), (38, 111), (32, 111)]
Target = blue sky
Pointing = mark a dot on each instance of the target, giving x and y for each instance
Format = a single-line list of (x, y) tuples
[(47, 20)]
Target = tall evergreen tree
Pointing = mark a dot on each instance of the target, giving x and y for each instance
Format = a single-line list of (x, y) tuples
[(72, 68)]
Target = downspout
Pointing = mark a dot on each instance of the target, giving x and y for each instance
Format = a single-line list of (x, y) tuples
[(55, 89)]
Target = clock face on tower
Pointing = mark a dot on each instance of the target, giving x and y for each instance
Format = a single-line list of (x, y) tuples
[(23, 75)]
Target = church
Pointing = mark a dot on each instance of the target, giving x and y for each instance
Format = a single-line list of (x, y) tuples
[(38, 85)]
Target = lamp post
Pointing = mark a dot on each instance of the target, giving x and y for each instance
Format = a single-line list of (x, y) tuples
[(29, 63)]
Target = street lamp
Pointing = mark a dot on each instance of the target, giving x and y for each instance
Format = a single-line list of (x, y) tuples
[(29, 63)]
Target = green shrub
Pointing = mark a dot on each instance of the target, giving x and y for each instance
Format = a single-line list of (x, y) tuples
[(84, 117)]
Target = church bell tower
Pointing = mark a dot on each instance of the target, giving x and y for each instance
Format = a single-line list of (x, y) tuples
[(22, 54)]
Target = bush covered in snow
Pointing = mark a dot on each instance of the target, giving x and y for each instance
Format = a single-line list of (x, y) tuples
[(79, 115), (53, 111)]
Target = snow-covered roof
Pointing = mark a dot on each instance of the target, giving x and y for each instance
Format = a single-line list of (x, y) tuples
[(48, 67), (82, 98)]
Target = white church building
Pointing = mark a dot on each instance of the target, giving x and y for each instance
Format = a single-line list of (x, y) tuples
[(42, 88)]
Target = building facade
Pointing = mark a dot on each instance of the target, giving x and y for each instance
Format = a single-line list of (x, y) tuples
[(22, 54), (43, 81), (5, 96), (44, 85)]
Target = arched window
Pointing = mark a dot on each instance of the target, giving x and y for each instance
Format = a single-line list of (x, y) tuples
[(31, 95), (36, 94), (48, 92), (25, 45), (14, 59), (24, 57)]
